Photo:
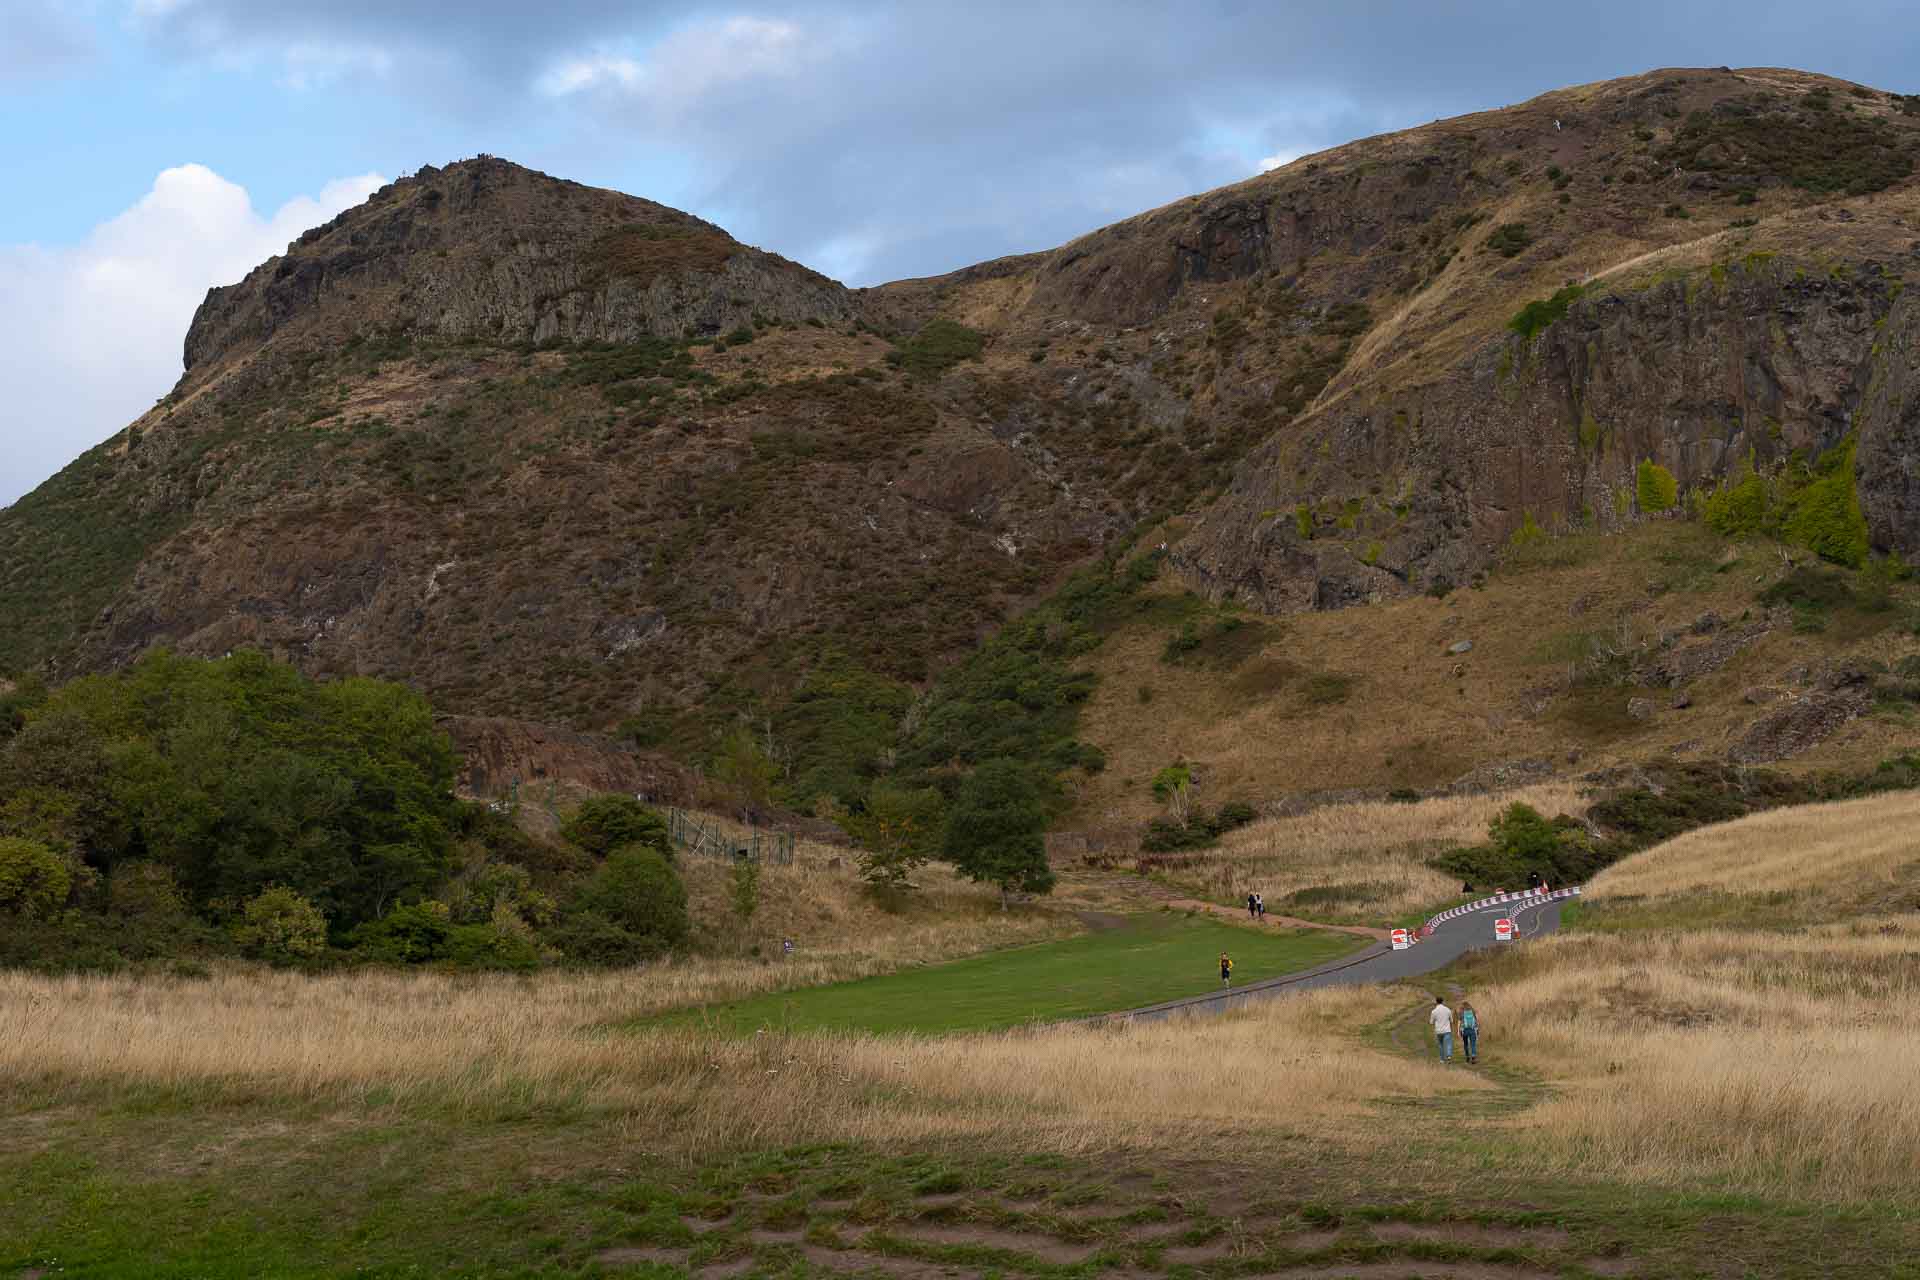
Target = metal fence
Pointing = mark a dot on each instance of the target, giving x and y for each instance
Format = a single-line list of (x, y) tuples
[(706, 838)]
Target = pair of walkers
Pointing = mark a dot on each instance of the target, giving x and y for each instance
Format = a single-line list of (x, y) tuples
[(1442, 1019), (1256, 907)]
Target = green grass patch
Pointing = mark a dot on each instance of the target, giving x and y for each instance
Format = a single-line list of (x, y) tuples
[(1150, 959)]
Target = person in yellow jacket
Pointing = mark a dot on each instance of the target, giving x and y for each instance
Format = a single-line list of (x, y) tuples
[(1226, 969)]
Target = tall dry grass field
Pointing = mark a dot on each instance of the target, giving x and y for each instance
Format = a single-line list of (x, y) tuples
[(1362, 863), (484, 1047), (1776, 1060)]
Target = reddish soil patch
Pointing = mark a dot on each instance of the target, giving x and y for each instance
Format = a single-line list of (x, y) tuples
[(762, 1235), (902, 1268), (1402, 1270), (725, 1270)]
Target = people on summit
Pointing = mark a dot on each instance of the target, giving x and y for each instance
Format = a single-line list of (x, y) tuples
[(1470, 1033), (1442, 1020)]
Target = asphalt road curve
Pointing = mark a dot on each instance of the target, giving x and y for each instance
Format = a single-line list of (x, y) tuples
[(1378, 963)]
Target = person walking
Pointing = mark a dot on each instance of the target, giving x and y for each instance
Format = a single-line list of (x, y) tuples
[(1226, 969), (1442, 1020), (1253, 905), (1470, 1033), (1260, 906)]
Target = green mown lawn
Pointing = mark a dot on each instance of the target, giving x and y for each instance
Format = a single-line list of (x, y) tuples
[(1150, 958)]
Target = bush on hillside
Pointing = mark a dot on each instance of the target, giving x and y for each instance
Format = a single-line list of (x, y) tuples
[(281, 927), (938, 346), (995, 831), (1543, 313), (1655, 488), (601, 824), (1509, 239), (635, 892), (33, 879)]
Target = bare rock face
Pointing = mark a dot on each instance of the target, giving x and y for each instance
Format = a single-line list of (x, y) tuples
[(1550, 430), (1887, 462), (497, 753), (486, 249), (1802, 724)]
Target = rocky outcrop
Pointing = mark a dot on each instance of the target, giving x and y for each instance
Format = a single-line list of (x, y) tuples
[(486, 249), (1756, 361), (499, 754)]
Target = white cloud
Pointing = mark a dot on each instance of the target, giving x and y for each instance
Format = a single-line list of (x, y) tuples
[(1278, 160), (685, 69), (90, 334)]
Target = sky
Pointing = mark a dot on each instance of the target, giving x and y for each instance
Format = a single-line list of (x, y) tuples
[(150, 149)]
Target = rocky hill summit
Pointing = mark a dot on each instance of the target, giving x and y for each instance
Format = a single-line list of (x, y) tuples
[(487, 250), (560, 453)]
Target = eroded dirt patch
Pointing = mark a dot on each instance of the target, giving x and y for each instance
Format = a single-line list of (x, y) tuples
[(1047, 1250), (1472, 1233)]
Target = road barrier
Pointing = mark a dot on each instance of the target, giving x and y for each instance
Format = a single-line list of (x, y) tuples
[(1400, 940), (1503, 930), (1528, 899)]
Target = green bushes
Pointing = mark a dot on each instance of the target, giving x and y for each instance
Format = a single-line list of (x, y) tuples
[(1655, 489), (636, 891), (1200, 830), (1542, 313), (1509, 239), (601, 824), (33, 879), (938, 346), (1816, 507), (995, 832), (281, 927)]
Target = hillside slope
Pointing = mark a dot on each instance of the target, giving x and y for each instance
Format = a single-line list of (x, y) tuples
[(563, 454)]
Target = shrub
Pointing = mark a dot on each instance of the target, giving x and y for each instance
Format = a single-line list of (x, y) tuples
[(1655, 489), (601, 824), (1509, 239), (33, 879), (415, 934), (1737, 507), (1528, 532), (281, 927), (1826, 516), (1544, 312), (637, 891), (486, 946), (1303, 521), (938, 346)]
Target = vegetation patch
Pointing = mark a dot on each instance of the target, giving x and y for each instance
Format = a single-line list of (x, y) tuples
[(642, 252), (1809, 146), (1542, 313), (940, 345)]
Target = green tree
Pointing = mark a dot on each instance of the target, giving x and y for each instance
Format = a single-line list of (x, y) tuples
[(601, 824), (996, 830), (898, 830), (1654, 487), (1173, 787), (33, 879), (743, 765), (637, 891), (281, 927), (743, 886)]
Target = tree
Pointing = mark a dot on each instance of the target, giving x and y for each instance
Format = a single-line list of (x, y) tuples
[(33, 879), (995, 832), (743, 765), (637, 891), (280, 926), (898, 831), (601, 824)]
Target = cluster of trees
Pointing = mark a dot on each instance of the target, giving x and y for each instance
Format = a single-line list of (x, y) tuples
[(184, 808)]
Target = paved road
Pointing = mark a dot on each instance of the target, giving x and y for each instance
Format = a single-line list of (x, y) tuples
[(1378, 963)]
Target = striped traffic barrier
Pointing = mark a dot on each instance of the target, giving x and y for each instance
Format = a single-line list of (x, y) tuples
[(1400, 940)]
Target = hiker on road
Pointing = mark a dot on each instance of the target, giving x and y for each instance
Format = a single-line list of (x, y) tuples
[(1226, 970), (1442, 1020), (1470, 1033)]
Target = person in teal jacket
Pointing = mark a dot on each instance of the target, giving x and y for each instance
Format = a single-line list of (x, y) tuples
[(1470, 1032)]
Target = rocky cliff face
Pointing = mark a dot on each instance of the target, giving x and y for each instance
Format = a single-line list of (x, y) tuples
[(487, 250)]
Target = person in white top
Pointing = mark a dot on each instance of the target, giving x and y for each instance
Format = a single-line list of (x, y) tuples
[(1442, 1020)]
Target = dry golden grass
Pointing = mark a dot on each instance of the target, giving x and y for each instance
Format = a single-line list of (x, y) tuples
[(1775, 1060), (481, 1046), (1829, 849), (1411, 721), (1775, 1063), (1365, 861)]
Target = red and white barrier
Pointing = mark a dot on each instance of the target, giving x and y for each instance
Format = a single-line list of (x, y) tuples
[(1400, 940), (1529, 898), (1503, 930)]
